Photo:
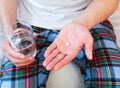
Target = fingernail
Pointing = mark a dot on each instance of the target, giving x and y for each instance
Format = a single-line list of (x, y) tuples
[(44, 64), (45, 55), (48, 68), (90, 57)]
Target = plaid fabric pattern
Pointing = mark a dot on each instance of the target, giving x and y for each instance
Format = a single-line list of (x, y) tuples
[(33, 75), (102, 72)]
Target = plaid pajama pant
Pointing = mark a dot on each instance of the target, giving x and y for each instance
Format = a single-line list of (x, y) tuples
[(101, 72)]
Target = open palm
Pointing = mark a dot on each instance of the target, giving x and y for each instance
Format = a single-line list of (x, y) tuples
[(71, 39)]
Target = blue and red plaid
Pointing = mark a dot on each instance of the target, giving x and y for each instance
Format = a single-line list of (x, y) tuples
[(101, 72)]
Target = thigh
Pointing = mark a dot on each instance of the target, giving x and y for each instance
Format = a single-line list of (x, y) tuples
[(33, 75), (103, 70)]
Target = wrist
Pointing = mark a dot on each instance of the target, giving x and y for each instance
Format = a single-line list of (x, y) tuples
[(84, 23), (5, 25)]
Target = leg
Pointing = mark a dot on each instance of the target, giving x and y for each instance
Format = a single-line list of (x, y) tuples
[(33, 75), (103, 71), (23, 77), (67, 77)]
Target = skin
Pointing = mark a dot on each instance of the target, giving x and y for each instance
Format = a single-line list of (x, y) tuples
[(8, 17), (58, 54), (76, 33)]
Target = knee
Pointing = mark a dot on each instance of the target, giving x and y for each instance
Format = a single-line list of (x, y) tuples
[(68, 77)]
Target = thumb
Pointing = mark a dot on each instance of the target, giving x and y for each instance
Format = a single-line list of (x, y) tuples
[(88, 50), (35, 35)]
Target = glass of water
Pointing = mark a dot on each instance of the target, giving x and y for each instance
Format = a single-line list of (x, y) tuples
[(22, 39)]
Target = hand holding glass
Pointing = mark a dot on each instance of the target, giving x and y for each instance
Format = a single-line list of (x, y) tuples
[(22, 39)]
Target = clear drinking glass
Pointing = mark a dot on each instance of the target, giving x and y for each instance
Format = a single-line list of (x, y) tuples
[(21, 38)]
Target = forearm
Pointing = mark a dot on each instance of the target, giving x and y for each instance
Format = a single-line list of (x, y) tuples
[(97, 12), (8, 11)]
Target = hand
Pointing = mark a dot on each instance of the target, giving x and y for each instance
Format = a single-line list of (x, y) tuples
[(71, 39), (16, 58)]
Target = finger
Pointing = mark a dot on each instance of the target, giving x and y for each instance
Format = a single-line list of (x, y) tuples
[(9, 57), (67, 59), (53, 54), (16, 62), (50, 49), (35, 35), (16, 55), (24, 61), (8, 49), (24, 64), (88, 49), (56, 60)]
